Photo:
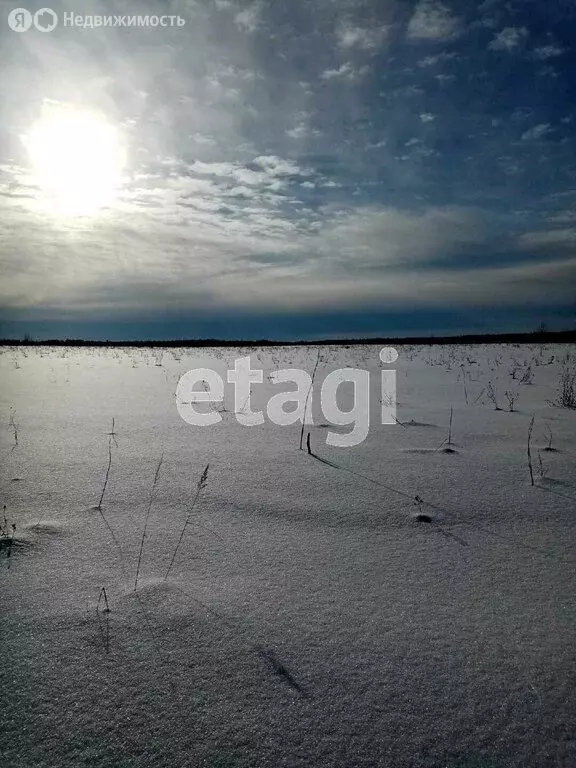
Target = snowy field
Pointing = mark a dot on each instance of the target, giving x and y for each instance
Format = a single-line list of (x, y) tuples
[(405, 602)]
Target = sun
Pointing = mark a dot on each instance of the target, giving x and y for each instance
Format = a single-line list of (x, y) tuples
[(77, 159)]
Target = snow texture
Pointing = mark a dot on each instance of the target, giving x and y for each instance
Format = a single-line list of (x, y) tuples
[(406, 602)]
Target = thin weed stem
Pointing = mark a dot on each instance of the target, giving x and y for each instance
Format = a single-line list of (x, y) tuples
[(156, 475), (201, 484)]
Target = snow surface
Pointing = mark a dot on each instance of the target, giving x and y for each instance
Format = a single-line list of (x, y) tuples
[(310, 618)]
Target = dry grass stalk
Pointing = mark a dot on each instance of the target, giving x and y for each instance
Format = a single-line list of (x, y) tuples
[(151, 499), (200, 485)]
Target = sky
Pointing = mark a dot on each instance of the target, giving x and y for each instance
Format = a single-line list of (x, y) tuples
[(294, 169)]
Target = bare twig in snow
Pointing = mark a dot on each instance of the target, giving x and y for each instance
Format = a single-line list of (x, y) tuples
[(14, 426), (99, 507), (105, 632), (113, 432), (199, 488), (529, 452), (156, 475), (307, 399)]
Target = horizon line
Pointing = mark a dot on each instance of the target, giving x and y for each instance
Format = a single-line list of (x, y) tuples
[(566, 336)]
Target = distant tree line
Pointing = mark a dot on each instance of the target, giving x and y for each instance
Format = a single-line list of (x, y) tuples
[(540, 335)]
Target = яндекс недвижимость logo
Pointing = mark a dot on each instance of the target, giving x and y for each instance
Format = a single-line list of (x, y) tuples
[(21, 19)]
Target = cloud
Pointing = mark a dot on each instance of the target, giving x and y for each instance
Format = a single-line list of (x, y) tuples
[(509, 39), (564, 217), (269, 177), (547, 52), (547, 71), (443, 79), (383, 237), (555, 239), (360, 37), (345, 72), (537, 132), (198, 138), (302, 127), (249, 19), (432, 61), (432, 20), (299, 131), (224, 244), (277, 166)]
